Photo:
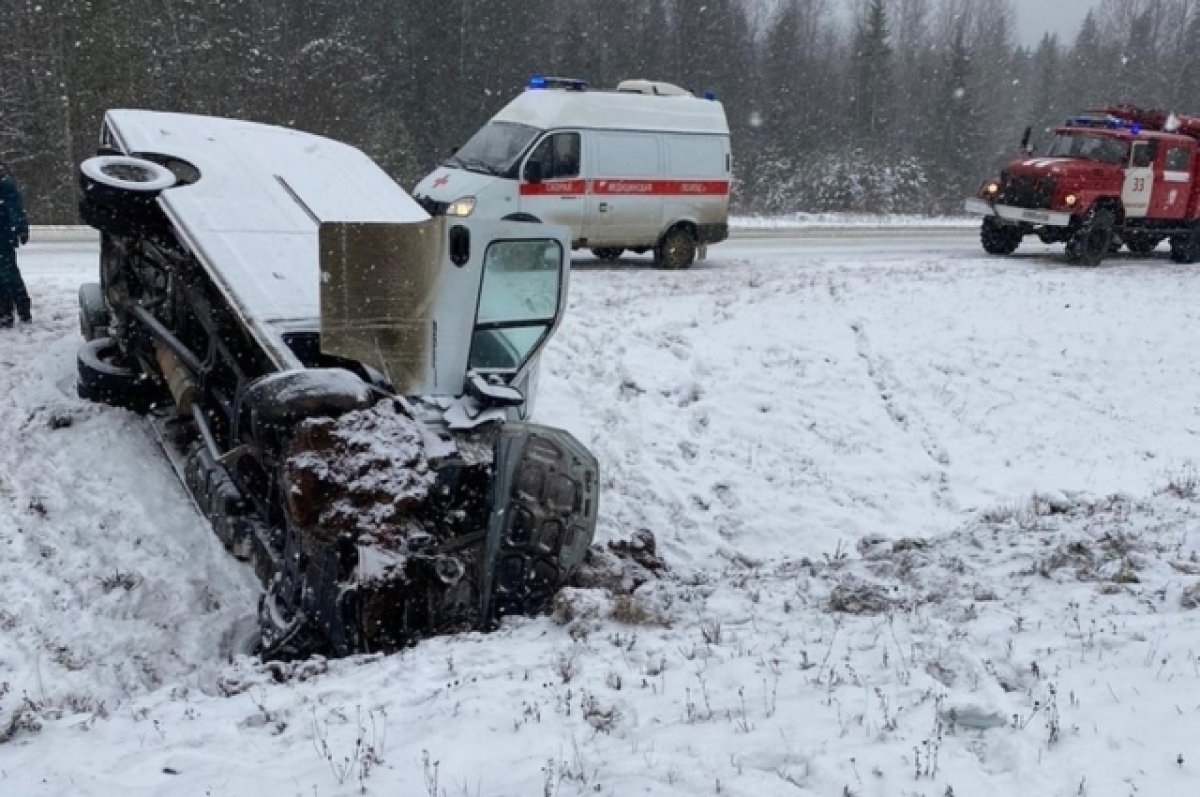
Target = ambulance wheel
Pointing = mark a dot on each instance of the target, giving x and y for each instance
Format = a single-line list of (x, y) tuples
[(607, 252), (999, 238), (1089, 244), (676, 250)]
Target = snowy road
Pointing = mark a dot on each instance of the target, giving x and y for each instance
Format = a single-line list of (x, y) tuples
[(931, 521)]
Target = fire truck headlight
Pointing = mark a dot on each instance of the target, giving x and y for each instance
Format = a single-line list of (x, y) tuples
[(992, 188), (1070, 199), (463, 207)]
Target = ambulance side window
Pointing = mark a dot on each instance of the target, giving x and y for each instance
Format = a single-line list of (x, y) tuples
[(1178, 159), (558, 154)]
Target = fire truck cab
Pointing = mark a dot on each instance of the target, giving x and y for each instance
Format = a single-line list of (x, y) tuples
[(1112, 176)]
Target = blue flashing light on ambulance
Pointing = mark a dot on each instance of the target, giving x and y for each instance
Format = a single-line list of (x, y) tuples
[(645, 168)]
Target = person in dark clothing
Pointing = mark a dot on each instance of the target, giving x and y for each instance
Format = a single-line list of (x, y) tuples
[(14, 232)]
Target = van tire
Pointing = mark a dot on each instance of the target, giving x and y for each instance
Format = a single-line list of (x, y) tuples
[(105, 380), (607, 252), (676, 250), (120, 195), (93, 312)]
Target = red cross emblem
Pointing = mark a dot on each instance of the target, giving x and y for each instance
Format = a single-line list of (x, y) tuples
[(441, 181)]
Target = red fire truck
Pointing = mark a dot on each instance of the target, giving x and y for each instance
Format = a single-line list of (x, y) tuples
[(1113, 175)]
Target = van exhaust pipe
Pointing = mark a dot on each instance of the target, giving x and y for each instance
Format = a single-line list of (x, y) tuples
[(179, 381)]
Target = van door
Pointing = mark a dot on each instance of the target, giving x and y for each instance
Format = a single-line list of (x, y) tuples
[(698, 167), (552, 187), (1173, 181), (625, 199), (1139, 179)]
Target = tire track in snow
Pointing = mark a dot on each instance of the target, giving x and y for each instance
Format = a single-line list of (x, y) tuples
[(901, 413)]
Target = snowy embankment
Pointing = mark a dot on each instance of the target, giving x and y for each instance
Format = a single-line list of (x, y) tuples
[(930, 525)]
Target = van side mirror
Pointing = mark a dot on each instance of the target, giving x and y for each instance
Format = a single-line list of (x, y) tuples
[(483, 391), (533, 172)]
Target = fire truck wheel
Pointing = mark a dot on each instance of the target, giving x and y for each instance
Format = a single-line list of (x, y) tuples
[(1186, 248), (607, 252), (1089, 244), (676, 250), (999, 238)]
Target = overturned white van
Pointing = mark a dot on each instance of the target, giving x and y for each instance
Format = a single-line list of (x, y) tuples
[(646, 167)]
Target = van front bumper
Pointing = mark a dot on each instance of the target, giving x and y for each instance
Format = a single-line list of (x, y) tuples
[(1047, 218)]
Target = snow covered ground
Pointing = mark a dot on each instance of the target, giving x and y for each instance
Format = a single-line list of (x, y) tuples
[(930, 522)]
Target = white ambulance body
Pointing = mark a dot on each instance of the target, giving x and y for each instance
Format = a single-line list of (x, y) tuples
[(645, 168)]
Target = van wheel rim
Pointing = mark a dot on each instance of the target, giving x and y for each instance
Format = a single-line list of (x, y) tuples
[(128, 172)]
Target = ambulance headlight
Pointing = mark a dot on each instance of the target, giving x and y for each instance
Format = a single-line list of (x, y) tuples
[(463, 206)]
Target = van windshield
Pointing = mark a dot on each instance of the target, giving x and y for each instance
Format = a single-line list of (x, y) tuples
[(494, 149), (1096, 148)]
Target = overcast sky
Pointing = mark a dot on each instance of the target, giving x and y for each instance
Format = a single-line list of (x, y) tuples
[(1035, 17)]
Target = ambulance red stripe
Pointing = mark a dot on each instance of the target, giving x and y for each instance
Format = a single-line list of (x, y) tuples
[(627, 187)]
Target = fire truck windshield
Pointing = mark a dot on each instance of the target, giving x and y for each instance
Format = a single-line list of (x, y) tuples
[(1089, 147)]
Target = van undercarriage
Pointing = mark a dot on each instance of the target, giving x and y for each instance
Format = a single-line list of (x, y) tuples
[(369, 518)]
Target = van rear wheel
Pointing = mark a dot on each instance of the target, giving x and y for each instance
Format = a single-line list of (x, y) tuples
[(103, 377), (676, 250), (607, 252)]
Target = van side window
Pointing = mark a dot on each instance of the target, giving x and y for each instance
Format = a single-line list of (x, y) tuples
[(1178, 159), (1143, 154), (559, 155)]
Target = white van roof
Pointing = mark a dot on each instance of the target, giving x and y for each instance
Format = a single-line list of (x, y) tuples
[(549, 109)]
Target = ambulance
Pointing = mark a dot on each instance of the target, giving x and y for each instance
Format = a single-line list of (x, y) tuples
[(645, 168)]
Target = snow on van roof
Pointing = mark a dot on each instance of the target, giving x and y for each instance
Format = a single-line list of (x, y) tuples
[(253, 217), (548, 109)]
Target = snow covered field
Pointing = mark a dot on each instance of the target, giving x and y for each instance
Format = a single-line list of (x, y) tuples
[(930, 523)]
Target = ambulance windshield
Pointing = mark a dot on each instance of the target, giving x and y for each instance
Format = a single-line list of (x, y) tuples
[(494, 149), (1090, 147)]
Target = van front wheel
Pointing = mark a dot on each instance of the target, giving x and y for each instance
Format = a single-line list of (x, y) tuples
[(676, 250)]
